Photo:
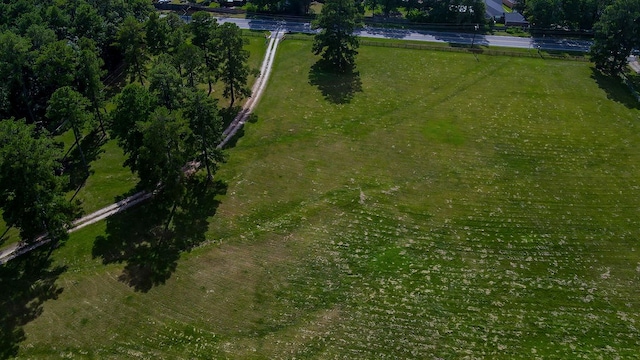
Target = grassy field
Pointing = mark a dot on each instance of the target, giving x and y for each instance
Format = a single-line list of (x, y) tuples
[(430, 206)]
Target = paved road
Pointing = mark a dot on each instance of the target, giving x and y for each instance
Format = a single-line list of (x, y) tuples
[(431, 36)]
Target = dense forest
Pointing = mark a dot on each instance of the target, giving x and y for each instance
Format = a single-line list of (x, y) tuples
[(64, 62)]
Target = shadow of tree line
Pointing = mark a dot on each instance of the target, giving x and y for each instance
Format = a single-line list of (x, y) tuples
[(26, 283), (337, 88), (149, 238)]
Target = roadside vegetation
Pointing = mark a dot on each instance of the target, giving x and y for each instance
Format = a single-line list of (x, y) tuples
[(427, 205)]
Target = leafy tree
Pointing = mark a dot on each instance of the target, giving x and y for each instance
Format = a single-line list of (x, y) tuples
[(206, 126), (616, 34), (190, 59), (165, 150), (68, 106), (336, 42), (58, 21), (88, 23), (574, 14), (15, 68), (201, 27), (55, 67), (131, 40), (166, 83), (31, 195), (88, 77), (40, 36), (234, 69), (204, 28), (134, 105), (157, 33), (387, 6)]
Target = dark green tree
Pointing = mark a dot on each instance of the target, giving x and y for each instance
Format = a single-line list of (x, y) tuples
[(616, 34), (203, 29), (386, 6), (88, 78), (55, 67), (88, 23), (58, 20), (68, 108), (16, 63), (40, 35), (134, 105), (164, 152), (31, 195), (206, 126), (157, 34), (336, 42), (166, 83), (190, 61), (132, 43), (234, 69)]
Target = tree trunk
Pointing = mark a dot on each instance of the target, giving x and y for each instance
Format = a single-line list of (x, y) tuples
[(99, 116), (27, 102), (84, 161), (206, 161)]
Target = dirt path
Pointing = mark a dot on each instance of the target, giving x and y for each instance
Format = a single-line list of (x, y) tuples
[(11, 252)]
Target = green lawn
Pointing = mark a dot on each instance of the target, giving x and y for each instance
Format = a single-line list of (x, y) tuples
[(432, 207)]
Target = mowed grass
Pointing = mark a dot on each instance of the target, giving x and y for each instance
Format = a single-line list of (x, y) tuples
[(442, 208)]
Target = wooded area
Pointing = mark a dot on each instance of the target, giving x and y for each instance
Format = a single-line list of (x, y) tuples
[(62, 63)]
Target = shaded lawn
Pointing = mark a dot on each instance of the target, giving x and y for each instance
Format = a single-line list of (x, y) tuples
[(448, 208)]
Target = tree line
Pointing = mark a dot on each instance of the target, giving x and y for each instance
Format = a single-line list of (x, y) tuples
[(431, 11), (55, 58)]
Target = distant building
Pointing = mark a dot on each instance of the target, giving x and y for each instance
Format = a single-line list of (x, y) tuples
[(515, 19), (493, 8)]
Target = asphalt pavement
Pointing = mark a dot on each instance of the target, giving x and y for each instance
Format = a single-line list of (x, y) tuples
[(430, 36)]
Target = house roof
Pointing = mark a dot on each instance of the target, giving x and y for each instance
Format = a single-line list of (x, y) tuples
[(515, 18), (494, 8)]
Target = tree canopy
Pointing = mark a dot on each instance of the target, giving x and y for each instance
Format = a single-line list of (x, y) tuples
[(336, 42), (31, 194), (616, 34)]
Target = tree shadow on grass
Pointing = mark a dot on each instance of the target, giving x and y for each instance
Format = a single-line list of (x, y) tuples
[(337, 88), (26, 283), (228, 114), (150, 238), (615, 88), (72, 161)]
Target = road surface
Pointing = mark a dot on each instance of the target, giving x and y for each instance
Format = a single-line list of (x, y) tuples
[(424, 35)]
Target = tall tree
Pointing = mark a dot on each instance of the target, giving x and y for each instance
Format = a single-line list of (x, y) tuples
[(386, 6), (206, 125), (616, 34), (204, 28), (69, 107), (88, 23), (190, 59), (15, 66), (134, 105), (157, 32), (166, 83), (88, 81), (55, 67), (165, 150), (31, 195), (336, 42), (234, 69), (131, 40)]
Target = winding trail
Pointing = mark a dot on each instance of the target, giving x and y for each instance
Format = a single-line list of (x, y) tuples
[(11, 252)]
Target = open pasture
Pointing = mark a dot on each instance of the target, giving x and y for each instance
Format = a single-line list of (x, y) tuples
[(430, 205)]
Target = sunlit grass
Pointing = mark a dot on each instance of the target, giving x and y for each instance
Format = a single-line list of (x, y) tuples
[(452, 208)]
